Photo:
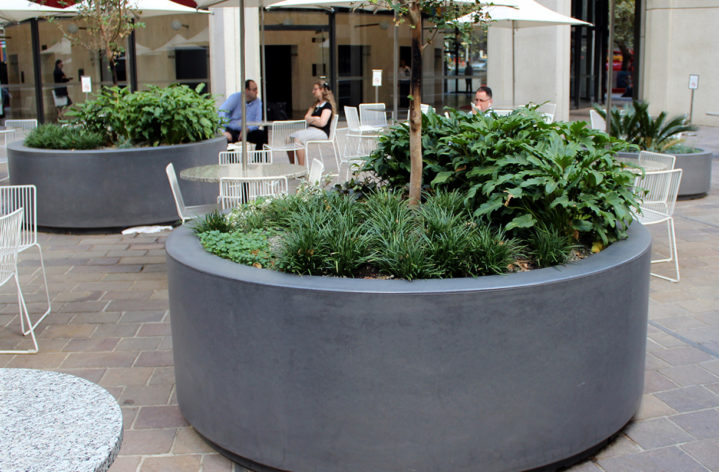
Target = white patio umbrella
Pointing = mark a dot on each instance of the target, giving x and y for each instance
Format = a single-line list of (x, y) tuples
[(14, 11), (523, 14)]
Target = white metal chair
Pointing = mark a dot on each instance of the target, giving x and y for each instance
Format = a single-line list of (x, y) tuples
[(424, 108), (280, 131), (185, 212), (322, 145), (353, 148), (253, 157), (6, 135), (12, 198), (315, 176), (548, 111), (659, 161), (354, 124), (373, 115), (501, 112), (658, 193), (596, 121), (10, 241), (22, 127), (234, 191)]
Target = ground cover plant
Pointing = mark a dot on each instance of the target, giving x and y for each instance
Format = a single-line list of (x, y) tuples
[(158, 116), (54, 136)]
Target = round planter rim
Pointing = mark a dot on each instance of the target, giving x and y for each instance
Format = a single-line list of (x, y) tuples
[(20, 146), (184, 247)]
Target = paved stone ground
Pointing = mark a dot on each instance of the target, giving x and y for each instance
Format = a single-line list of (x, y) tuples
[(110, 324)]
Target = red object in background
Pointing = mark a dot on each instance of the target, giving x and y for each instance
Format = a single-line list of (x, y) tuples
[(65, 3)]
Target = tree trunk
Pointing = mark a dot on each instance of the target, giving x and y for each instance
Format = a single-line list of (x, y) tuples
[(415, 111)]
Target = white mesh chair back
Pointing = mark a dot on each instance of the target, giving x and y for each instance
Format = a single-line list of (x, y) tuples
[(13, 197), (353, 148), (176, 193), (333, 127), (316, 169), (656, 161), (253, 157), (658, 192), (234, 191), (353, 121), (425, 107), (548, 111), (596, 121), (373, 114), (10, 240), (10, 225), (280, 132), (22, 127), (502, 112)]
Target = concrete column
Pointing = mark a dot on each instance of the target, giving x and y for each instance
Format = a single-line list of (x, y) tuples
[(680, 40), (542, 63), (225, 50)]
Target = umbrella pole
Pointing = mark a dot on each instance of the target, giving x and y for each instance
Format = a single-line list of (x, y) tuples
[(262, 60), (610, 67), (242, 82), (514, 60)]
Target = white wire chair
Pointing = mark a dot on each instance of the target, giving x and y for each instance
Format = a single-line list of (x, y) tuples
[(353, 122), (329, 145), (315, 176), (22, 127), (424, 108), (10, 241), (373, 115), (548, 110), (354, 148), (501, 111), (280, 131), (596, 121), (6, 135), (185, 212), (253, 157), (658, 161), (658, 193), (234, 191), (12, 198)]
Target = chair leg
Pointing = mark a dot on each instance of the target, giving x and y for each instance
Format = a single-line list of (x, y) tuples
[(47, 290), (24, 318), (673, 253)]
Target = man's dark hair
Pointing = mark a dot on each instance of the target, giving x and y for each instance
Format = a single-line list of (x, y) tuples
[(58, 62), (486, 90), (247, 83)]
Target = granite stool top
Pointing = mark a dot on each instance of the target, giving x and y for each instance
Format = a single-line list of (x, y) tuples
[(56, 422)]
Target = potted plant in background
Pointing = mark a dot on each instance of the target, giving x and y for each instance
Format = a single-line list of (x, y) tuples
[(105, 167), (636, 126), (365, 326)]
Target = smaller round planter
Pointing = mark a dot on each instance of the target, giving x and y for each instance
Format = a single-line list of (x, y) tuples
[(696, 175), (110, 188)]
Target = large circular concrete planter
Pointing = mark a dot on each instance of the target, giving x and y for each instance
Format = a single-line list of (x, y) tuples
[(109, 187), (500, 373), (696, 173)]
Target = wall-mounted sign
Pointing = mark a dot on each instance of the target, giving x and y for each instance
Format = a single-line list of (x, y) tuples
[(376, 77), (86, 82), (693, 81)]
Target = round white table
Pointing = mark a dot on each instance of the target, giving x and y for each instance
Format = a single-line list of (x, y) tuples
[(54, 422), (213, 172)]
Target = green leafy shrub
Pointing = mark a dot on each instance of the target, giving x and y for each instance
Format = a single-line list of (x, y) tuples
[(636, 126), (157, 116), (517, 171), (251, 248), (53, 136)]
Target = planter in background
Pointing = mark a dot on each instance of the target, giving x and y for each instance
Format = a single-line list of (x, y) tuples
[(696, 172), (109, 188), (494, 373)]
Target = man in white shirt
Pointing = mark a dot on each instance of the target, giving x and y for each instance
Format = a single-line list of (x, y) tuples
[(482, 100)]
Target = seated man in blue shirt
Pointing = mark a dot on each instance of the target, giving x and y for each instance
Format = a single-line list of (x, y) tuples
[(231, 111)]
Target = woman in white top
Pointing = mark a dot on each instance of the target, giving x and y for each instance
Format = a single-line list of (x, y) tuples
[(318, 118)]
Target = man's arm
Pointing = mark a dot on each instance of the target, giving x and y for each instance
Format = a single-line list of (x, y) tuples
[(254, 113)]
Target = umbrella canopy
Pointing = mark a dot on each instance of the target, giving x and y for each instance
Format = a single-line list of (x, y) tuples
[(150, 8), (20, 10), (517, 14)]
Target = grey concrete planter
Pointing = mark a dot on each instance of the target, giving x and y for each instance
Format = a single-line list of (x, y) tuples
[(696, 174), (110, 187), (500, 373)]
